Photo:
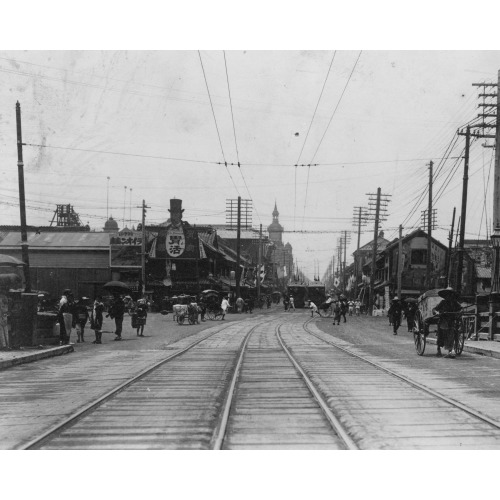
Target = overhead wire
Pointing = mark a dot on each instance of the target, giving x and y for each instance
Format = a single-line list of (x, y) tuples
[(328, 126), (216, 126), (307, 134), (235, 140)]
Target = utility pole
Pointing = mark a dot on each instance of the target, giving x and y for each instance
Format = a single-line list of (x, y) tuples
[(22, 201), (374, 249), (378, 206), (259, 260), (450, 243), (460, 264), (400, 260), (360, 219), (429, 230), (143, 249), (238, 237)]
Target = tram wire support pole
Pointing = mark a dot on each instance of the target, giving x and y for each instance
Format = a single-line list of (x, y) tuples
[(238, 257), (429, 231), (259, 262), (22, 201), (400, 260), (448, 266), (380, 203), (143, 248), (463, 212), (359, 221)]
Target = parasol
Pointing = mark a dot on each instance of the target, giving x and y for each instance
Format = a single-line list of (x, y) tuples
[(117, 287)]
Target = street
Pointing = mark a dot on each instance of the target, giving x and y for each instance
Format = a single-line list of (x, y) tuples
[(37, 396)]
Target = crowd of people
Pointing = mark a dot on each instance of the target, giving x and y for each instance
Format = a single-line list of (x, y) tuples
[(80, 312), (77, 313)]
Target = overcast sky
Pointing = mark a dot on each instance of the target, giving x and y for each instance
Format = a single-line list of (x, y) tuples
[(144, 119)]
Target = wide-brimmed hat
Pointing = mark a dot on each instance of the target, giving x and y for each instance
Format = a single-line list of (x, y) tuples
[(395, 298), (447, 292)]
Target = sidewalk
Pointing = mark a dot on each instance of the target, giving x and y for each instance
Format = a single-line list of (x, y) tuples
[(29, 354)]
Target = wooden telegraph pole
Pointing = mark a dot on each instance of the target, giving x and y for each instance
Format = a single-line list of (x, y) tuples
[(450, 243), (238, 238), (259, 261), (463, 215), (400, 260), (22, 201), (429, 230)]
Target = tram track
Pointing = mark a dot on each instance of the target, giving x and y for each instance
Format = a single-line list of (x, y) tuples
[(406, 413), (69, 422), (270, 384), (415, 384), (272, 403)]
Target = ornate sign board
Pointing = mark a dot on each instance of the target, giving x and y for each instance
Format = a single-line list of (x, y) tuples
[(125, 249)]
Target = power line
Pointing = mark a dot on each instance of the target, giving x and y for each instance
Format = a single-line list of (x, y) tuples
[(336, 107), (216, 126), (119, 153), (305, 140), (235, 140)]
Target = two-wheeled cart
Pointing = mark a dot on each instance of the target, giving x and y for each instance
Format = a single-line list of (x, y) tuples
[(424, 317)]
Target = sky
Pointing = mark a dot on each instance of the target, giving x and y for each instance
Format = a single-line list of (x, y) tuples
[(161, 123)]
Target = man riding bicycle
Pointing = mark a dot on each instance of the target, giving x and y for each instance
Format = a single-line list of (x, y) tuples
[(446, 331)]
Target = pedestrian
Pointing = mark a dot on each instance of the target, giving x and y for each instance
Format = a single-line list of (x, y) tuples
[(357, 306), (336, 312), (395, 312), (250, 304), (411, 312), (268, 301), (142, 313), (286, 302), (116, 312), (81, 316), (343, 307), (96, 319), (65, 304), (239, 305), (224, 306), (446, 337), (291, 304), (203, 307), (351, 307), (314, 308)]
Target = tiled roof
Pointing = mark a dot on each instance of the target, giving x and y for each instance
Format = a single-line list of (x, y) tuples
[(58, 240)]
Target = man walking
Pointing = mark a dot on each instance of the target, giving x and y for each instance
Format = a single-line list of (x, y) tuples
[(116, 312), (395, 312)]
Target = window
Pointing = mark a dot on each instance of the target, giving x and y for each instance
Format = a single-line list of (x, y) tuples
[(418, 257)]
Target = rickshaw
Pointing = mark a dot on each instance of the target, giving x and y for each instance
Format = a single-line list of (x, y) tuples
[(424, 318), (212, 302)]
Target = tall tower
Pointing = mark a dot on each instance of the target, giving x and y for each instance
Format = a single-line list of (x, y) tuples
[(275, 229)]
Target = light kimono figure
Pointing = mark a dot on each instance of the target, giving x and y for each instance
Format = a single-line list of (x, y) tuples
[(224, 306)]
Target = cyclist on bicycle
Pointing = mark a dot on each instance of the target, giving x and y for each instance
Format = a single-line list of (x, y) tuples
[(446, 332)]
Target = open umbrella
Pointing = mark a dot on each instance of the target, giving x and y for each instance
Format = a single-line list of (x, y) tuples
[(411, 300), (7, 260), (116, 287)]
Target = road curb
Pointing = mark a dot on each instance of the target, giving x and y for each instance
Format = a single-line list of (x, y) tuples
[(35, 356), (473, 349)]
